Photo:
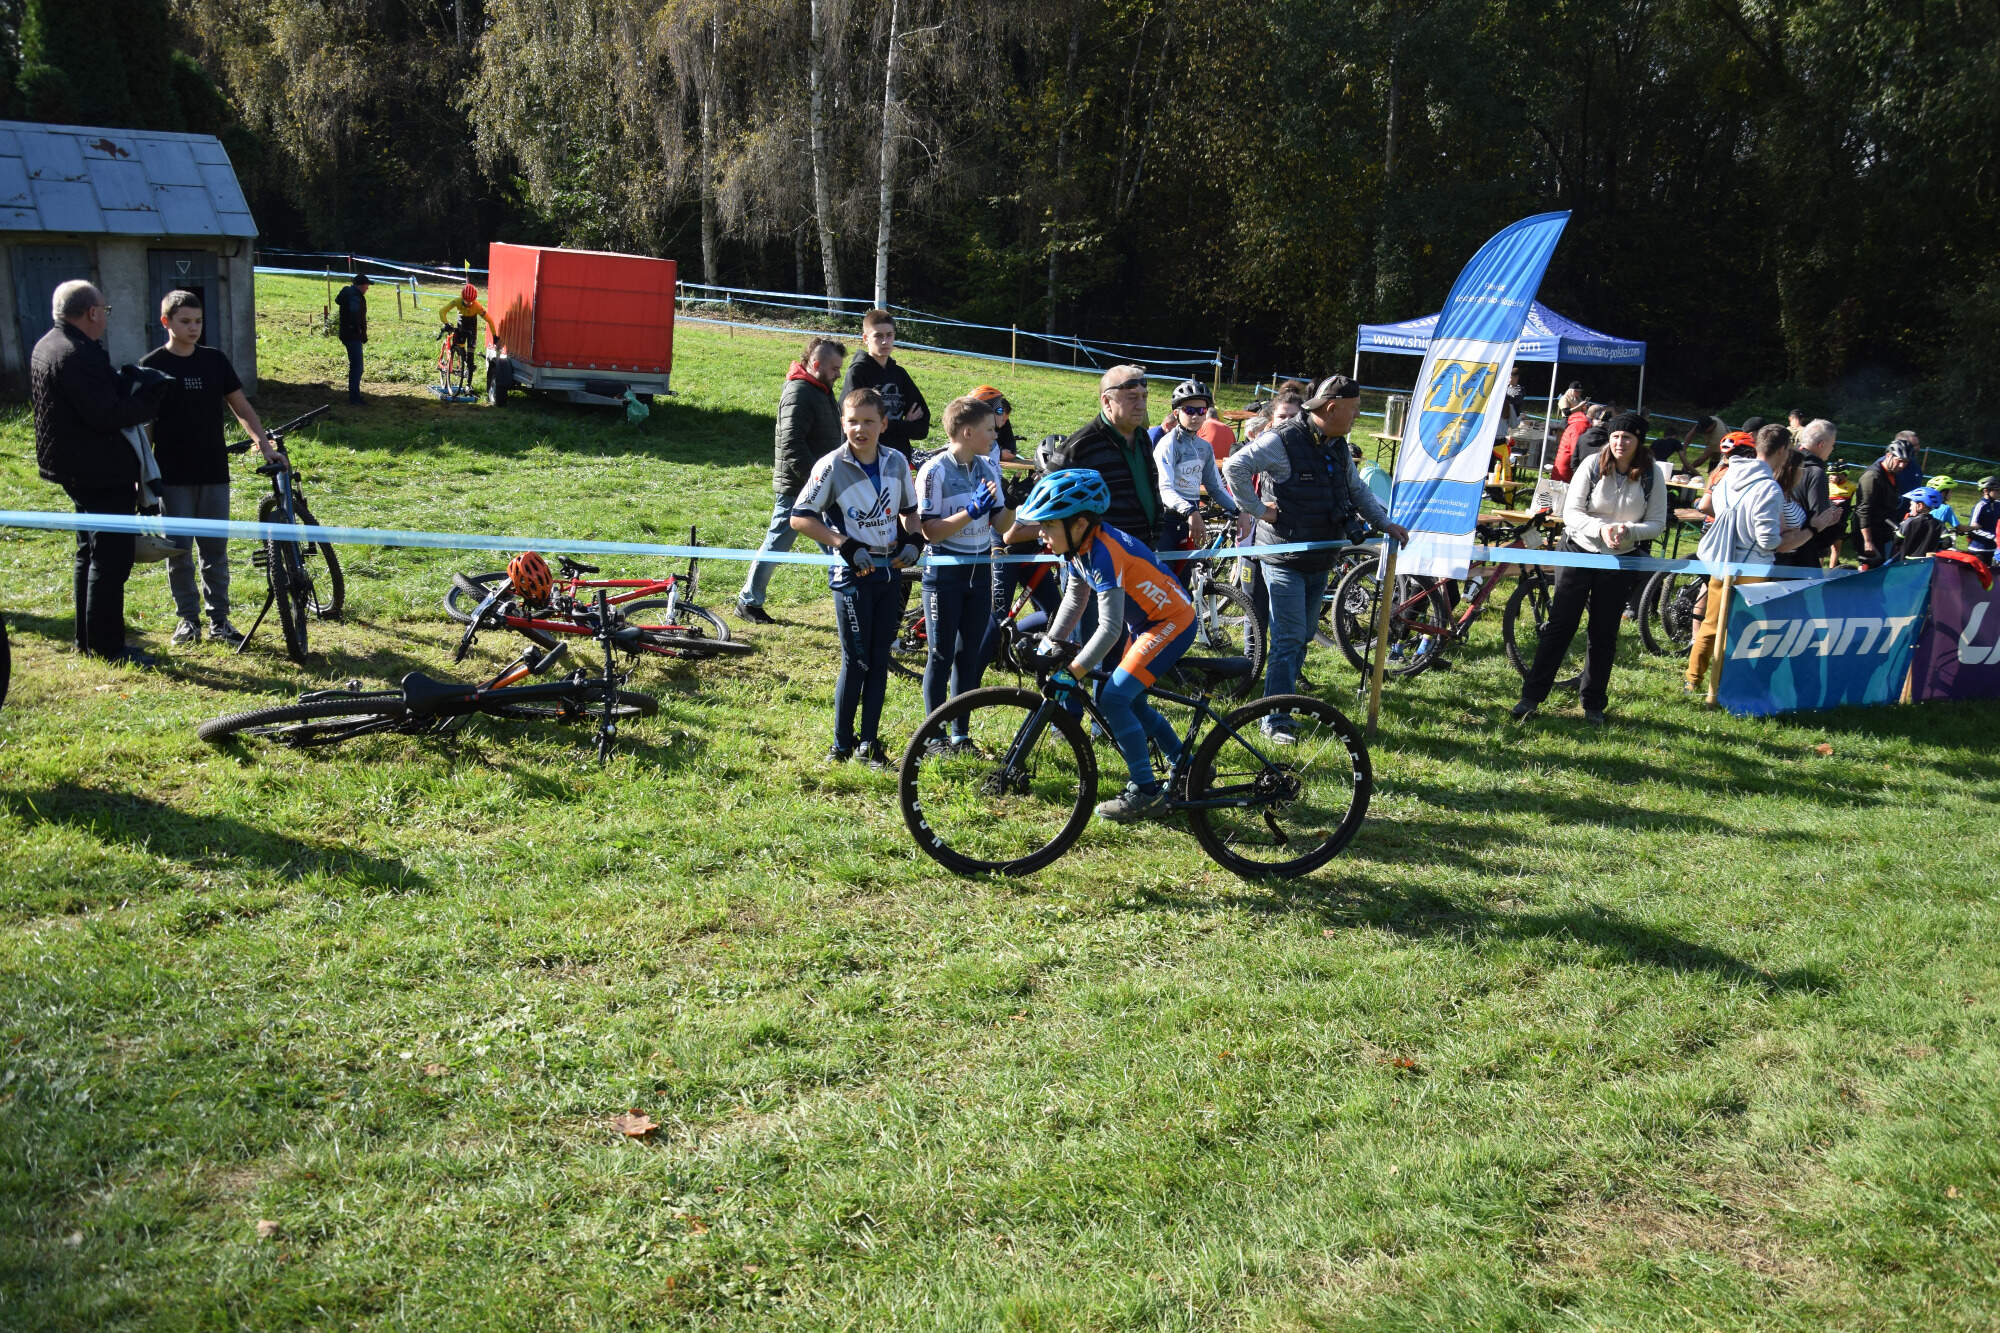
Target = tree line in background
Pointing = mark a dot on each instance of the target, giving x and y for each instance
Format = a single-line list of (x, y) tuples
[(1795, 192)]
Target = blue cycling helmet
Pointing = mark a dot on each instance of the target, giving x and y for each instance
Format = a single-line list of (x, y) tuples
[(1065, 494), (1930, 496)]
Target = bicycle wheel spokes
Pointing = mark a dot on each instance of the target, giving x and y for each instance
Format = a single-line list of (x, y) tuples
[(1281, 809), (1011, 796)]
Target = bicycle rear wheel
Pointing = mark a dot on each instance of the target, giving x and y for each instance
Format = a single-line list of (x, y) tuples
[(459, 602), (313, 721), (1419, 622), (587, 705), (1226, 626), (688, 630), (911, 647), (1288, 809), (1343, 560), (1521, 629), (1012, 798), (1666, 619)]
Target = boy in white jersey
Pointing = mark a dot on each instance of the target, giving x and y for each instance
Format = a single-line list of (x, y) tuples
[(959, 493)]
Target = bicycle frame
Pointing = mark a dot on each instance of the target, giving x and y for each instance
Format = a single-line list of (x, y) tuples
[(1488, 578)]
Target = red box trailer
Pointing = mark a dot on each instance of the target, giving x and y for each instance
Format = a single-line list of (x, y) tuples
[(588, 324)]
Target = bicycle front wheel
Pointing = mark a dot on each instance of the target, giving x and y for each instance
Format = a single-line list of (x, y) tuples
[(459, 599), (1521, 629), (1011, 797), (1261, 807), (326, 586), (586, 705), (1419, 622), (313, 721)]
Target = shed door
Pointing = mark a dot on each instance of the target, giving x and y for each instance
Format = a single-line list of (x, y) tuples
[(192, 271), (38, 271)]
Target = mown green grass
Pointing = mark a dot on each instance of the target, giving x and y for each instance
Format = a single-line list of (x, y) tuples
[(1678, 1024)]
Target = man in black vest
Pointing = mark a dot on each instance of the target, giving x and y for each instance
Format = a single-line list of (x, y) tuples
[(1116, 447), (1299, 483)]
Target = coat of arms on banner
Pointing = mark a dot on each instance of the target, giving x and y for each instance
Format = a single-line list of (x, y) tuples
[(1452, 410)]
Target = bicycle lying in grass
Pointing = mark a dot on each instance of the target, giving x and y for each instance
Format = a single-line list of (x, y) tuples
[(1423, 628), (1017, 795), (303, 578), (423, 705), (655, 615)]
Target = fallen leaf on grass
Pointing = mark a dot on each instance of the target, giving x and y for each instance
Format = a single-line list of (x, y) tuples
[(1951, 1192), (634, 1125), (436, 1070), (696, 1227), (1823, 748), (269, 1230), (1403, 1062), (1328, 933), (73, 1239)]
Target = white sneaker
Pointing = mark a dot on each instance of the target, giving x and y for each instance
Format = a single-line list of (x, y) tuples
[(225, 633), (185, 633)]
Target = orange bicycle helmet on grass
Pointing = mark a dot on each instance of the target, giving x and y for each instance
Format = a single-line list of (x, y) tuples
[(529, 574)]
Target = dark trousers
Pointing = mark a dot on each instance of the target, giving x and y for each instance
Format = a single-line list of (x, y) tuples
[(1603, 593), (958, 619), (354, 371), (866, 615), (103, 563)]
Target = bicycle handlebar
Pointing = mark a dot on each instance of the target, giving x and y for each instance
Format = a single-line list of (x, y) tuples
[(278, 432)]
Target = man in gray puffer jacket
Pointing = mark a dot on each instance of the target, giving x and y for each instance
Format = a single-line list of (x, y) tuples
[(808, 428)]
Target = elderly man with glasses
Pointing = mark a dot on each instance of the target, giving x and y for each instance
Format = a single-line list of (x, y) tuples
[(82, 407), (1115, 446)]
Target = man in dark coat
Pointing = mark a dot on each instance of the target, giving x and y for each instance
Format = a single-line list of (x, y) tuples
[(82, 407), (352, 302), (1878, 498), (1115, 446), (808, 428)]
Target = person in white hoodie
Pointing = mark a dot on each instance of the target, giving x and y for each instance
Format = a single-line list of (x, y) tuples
[(1749, 524), (1617, 505)]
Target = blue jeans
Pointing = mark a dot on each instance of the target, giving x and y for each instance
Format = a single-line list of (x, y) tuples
[(958, 616), (199, 501), (779, 536), (865, 615), (353, 371), (1131, 719), (1295, 598)]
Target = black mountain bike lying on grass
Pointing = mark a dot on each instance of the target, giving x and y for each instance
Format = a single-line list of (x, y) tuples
[(1017, 797), (303, 577), (421, 704)]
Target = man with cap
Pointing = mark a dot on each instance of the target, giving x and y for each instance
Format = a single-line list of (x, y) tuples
[(1298, 482), (352, 302), (1879, 503), (1985, 513)]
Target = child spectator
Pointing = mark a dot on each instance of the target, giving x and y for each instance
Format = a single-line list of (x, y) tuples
[(194, 469), (907, 416), (1186, 462), (861, 501), (1984, 514), (1921, 532), (958, 493), (1944, 513)]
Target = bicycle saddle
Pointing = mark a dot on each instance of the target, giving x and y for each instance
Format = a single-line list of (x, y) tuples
[(572, 567), (423, 694), (1223, 668)]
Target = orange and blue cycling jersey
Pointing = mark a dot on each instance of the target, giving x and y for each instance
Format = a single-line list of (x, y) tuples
[(1158, 611)]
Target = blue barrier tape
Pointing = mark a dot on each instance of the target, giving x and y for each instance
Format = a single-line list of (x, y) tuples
[(56, 521)]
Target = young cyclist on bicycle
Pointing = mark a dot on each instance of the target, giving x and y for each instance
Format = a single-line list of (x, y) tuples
[(1132, 592), (458, 316)]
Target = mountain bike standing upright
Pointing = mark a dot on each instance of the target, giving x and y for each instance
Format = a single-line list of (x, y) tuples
[(302, 578), (454, 364)]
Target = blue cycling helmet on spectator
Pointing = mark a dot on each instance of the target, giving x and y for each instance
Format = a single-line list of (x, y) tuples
[(1065, 494), (1929, 495)]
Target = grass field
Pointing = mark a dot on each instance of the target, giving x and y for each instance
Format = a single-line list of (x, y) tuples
[(1685, 1022)]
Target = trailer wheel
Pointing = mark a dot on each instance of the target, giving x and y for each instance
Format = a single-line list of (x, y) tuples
[(498, 381)]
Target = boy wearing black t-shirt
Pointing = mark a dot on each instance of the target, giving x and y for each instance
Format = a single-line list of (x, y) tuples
[(908, 416), (194, 470)]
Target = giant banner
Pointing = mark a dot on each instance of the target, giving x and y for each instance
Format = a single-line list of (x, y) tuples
[(1838, 641), (1447, 442), (1959, 655)]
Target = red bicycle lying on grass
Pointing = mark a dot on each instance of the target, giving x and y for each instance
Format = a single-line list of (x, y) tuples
[(654, 615)]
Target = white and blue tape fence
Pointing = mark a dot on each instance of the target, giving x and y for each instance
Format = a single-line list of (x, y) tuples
[(56, 521)]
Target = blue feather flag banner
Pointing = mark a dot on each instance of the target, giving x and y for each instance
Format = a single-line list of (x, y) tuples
[(1447, 441)]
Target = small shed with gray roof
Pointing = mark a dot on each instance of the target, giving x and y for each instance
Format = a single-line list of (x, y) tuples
[(139, 213)]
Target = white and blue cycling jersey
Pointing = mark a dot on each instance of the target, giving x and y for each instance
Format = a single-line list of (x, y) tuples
[(862, 501), (945, 486)]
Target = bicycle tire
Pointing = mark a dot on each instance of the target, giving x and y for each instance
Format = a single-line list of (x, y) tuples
[(1343, 560), (6, 662), (1420, 611), (1666, 626), (326, 586), (288, 595), (971, 811), (1226, 626), (587, 706), (698, 620), (459, 605), (312, 721), (1521, 628), (1313, 793), (911, 648)]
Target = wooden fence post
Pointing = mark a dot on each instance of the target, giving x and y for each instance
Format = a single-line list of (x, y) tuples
[(1721, 639), (1383, 605)]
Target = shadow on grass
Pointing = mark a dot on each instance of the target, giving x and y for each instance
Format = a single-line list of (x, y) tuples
[(124, 819)]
